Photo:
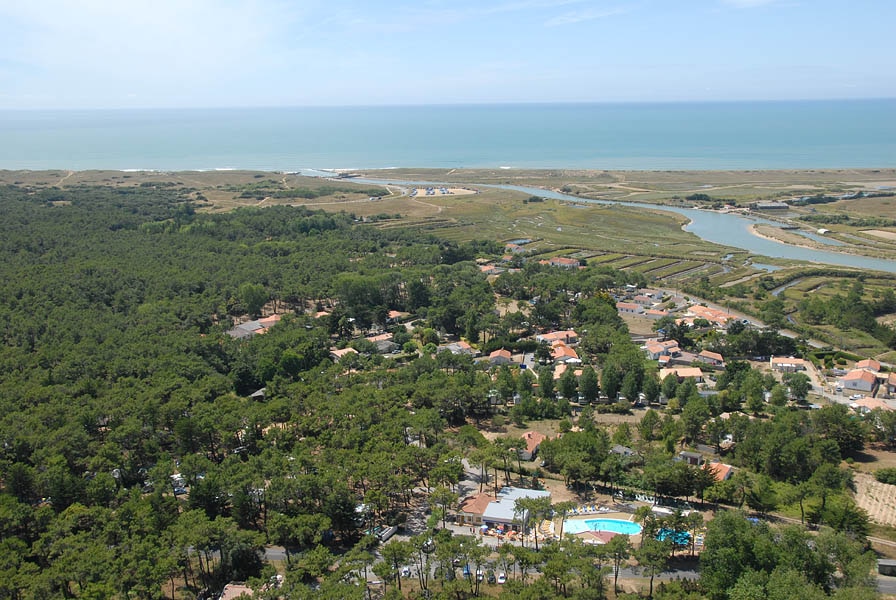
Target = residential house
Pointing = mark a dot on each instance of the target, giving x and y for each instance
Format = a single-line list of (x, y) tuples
[(491, 270), (533, 440), (249, 329), (337, 354), (891, 383), (397, 316), (560, 369), (869, 364), (461, 347), (560, 352), (567, 337), (720, 471), (858, 380), (717, 317), (643, 300), (564, 262), (866, 405), (383, 343), (711, 358), (656, 349), (629, 308), (500, 357), (682, 373), (652, 313), (787, 364), (516, 247)]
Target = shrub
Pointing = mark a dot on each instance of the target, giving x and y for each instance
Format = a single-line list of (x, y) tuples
[(887, 475)]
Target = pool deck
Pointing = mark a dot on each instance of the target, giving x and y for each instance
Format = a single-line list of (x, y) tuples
[(587, 516)]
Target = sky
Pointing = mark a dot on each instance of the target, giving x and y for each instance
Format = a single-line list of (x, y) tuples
[(85, 54)]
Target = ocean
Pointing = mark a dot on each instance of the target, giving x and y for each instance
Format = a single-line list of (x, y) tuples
[(648, 136)]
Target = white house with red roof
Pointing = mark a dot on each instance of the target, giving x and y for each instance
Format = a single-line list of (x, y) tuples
[(787, 364), (500, 357), (720, 471), (711, 358), (682, 373), (656, 349), (858, 380), (629, 308), (866, 405), (560, 352), (564, 262), (337, 354)]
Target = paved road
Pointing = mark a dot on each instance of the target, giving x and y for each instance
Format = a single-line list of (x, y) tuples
[(886, 585)]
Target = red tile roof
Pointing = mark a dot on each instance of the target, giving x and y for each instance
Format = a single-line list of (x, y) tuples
[(476, 504), (720, 471), (533, 439), (868, 363), (860, 375)]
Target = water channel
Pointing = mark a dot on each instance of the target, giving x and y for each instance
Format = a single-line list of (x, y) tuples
[(725, 229)]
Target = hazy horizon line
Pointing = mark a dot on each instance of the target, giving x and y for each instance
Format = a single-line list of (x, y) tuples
[(454, 104)]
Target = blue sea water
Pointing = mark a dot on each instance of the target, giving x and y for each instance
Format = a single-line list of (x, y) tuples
[(669, 136)]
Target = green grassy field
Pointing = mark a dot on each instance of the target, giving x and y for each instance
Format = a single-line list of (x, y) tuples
[(644, 240)]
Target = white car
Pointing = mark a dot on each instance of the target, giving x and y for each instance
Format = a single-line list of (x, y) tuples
[(405, 572), (502, 578)]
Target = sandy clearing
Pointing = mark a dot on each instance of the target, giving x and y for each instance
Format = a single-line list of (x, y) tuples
[(886, 235)]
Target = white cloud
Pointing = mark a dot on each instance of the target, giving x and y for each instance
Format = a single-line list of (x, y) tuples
[(580, 16), (749, 3), (415, 16), (127, 51)]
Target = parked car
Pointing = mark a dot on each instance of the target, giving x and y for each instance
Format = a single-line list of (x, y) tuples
[(479, 574), (491, 577), (405, 572), (502, 578)]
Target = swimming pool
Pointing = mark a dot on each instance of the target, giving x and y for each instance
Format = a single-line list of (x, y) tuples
[(615, 525)]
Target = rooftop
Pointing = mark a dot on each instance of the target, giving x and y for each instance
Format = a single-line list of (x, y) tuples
[(502, 509), (860, 375), (476, 504)]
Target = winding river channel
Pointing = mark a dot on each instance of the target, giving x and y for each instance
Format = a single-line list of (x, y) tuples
[(725, 229)]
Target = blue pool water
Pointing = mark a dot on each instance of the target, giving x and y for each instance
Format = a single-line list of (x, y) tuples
[(680, 538), (614, 525)]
